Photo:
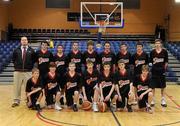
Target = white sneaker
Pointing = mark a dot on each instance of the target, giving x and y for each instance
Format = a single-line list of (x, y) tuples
[(57, 107), (95, 107), (163, 102)]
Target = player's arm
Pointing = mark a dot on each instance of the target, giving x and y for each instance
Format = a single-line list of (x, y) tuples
[(33, 91), (101, 91)]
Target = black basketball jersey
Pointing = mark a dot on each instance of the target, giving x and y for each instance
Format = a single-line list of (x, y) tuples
[(52, 79), (31, 85), (123, 80), (61, 63), (75, 81), (158, 61), (142, 59), (125, 57), (108, 81), (77, 59), (92, 77), (107, 57), (43, 59), (140, 84), (93, 57)]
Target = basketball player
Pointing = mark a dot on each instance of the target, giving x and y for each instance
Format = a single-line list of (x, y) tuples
[(72, 86), (139, 58), (91, 54), (43, 58), (107, 87), (52, 87), (34, 90), (108, 56), (124, 55), (144, 92), (90, 85), (124, 87), (61, 64), (159, 60)]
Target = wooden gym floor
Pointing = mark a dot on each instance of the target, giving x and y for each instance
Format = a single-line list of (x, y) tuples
[(21, 116)]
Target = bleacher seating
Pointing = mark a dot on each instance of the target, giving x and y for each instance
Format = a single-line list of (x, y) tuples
[(174, 48)]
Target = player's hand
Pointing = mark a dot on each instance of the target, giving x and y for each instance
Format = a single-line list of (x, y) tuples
[(141, 96), (29, 104), (88, 81), (136, 62), (85, 98), (102, 98), (107, 98), (130, 92), (119, 98), (68, 85)]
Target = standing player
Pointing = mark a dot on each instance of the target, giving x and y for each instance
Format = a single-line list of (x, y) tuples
[(72, 86), (61, 63), (159, 60), (108, 56), (52, 87), (76, 56), (90, 85), (124, 87), (124, 55), (107, 87), (91, 54), (44, 57), (139, 58), (34, 90), (144, 92)]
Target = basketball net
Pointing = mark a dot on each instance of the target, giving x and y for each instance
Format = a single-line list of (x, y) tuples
[(102, 26)]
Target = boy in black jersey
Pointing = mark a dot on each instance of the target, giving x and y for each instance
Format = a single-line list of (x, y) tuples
[(107, 87), (91, 54), (61, 64), (142, 86), (43, 58), (124, 87), (52, 87), (139, 58), (159, 60), (72, 86), (76, 56), (124, 55), (34, 90), (108, 56), (90, 85)]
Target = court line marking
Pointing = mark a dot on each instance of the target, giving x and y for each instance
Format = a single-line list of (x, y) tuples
[(115, 117), (178, 106), (167, 124)]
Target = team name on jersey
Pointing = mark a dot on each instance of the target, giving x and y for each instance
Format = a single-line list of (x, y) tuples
[(91, 59), (125, 60), (158, 60), (142, 88), (104, 59), (60, 63), (123, 82), (106, 84), (72, 85), (76, 60), (140, 62), (43, 60), (92, 79)]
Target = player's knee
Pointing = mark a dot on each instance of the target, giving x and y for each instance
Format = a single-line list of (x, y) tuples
[(150, 94), (76, 93)]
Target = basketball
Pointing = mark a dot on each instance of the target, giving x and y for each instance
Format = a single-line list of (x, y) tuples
[(102, 106), (86, 105)]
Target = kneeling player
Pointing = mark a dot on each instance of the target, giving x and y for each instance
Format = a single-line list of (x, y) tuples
[(107, 87), (90, 85), (144, 92), (34, 90), (124, 87), (73, 86), (52, 88)]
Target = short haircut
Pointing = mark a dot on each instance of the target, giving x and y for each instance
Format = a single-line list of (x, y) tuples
[(123, 44), (106, 63), (158, 40), (89, 62), (107, 42), (74, 43), (145, 68), (72, 63), (90, 42), (121, 61), (139, 43), (60, 45), (35, 70), (45, 42), (24, 37), (52, 64)]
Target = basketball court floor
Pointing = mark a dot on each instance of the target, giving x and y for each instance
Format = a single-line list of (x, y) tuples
[(21, 116)]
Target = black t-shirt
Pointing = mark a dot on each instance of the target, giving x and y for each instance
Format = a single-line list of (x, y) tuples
[(93, 57), (93, 77), (61, 63), (123, 80), (126, 57), (140, 84), (53, 79), (140, 58), (77, 59), (108, 81), (75, 81), (158, 61), (107, 57), (31, 85), (43, 60)]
